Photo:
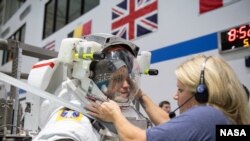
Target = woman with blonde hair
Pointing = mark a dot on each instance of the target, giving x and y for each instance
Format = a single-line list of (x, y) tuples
[(225, 91), (208, 94)]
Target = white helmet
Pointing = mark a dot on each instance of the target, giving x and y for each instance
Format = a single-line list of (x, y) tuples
[(118, 74)]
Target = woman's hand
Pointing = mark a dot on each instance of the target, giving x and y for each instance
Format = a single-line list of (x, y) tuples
[(106, 111)]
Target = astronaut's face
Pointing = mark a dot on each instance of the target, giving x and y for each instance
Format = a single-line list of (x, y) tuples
[(123, 93), (118, 75), (119, 86)]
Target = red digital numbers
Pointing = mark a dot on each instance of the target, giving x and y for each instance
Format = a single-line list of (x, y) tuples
[(248, 31), (232, 35), (242, 32)]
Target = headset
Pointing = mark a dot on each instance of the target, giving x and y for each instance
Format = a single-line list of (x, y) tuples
[(201, 94)]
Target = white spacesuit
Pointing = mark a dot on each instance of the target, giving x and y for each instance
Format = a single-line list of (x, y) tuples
[(98, 67)]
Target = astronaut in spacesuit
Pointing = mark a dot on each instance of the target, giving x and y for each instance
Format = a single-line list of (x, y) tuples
[(116, 76)]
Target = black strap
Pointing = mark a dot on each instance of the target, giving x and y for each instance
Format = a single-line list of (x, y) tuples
[(96, 124)]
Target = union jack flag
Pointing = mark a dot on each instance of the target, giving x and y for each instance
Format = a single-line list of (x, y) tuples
[(134, 18)]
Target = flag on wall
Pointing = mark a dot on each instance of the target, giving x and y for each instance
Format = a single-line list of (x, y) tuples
[(209, 5), (82, 30), (50, 45), (134, 18)]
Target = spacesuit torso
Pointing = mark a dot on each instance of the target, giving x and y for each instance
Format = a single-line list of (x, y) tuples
[(57, 122)]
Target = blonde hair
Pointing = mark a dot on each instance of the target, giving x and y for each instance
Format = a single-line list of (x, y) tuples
[(224, 88)]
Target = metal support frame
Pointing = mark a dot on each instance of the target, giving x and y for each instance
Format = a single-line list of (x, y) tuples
[(18, 49), (28, 50), (16, 72)]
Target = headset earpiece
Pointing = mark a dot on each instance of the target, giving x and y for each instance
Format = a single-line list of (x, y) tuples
[(201, 94)]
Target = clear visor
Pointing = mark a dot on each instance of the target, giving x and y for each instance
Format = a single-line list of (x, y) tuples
[(118, 76)]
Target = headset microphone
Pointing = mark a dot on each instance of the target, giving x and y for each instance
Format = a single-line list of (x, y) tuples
[(172, 114)]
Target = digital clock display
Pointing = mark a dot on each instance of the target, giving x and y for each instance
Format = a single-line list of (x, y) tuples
[(235, 38)]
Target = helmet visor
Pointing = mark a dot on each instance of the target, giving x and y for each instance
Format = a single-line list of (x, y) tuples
[(118, 76)]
